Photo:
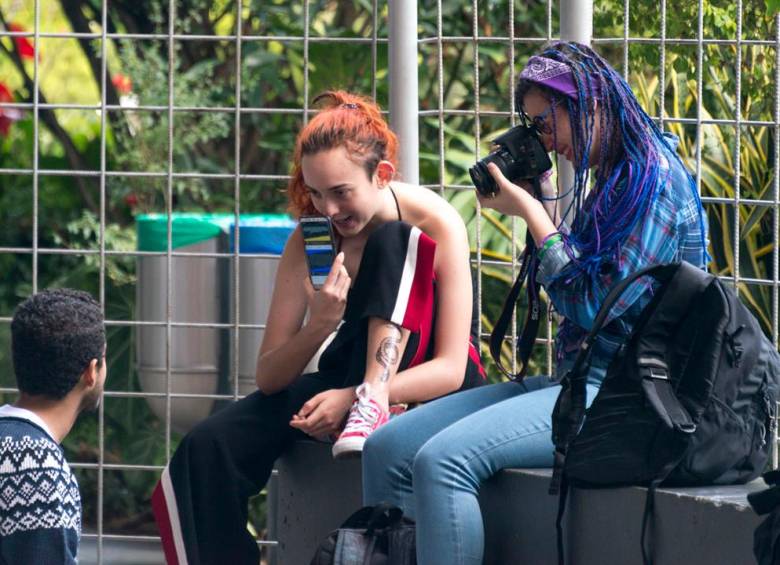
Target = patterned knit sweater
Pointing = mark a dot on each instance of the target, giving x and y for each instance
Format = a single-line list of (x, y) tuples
[(40, 505)]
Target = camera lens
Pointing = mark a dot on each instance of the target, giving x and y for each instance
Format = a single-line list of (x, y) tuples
[(482, 179), (519, 155)]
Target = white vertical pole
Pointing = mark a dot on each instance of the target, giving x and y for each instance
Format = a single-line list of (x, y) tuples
[(404, 97), (576, 25), (577, 21)]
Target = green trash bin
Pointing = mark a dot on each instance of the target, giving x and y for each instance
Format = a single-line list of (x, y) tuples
[(197, 296)]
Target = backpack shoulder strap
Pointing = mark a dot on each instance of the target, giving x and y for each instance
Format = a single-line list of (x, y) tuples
[(678, 294)]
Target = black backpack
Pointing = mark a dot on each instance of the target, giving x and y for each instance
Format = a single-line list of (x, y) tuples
[(374, 535), (688, 400)]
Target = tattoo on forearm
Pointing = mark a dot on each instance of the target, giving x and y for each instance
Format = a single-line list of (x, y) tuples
[(388, 354)]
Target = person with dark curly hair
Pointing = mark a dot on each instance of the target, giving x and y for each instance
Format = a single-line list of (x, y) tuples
[(58, 342)]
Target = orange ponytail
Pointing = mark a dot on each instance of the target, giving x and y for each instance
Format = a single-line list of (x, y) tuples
[(345, 120)]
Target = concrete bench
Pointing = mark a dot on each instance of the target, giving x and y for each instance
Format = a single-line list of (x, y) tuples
[(712, 525)]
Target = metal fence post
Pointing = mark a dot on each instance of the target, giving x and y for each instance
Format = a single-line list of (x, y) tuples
[(404, 95), (576, 25)]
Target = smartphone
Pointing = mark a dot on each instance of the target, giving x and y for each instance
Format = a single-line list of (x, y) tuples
[(320, 247)]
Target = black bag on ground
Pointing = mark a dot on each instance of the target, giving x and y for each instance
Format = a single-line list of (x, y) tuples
[(374, 535), (688, 400), (766, 540)]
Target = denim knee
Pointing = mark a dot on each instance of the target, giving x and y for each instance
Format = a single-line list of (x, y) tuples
[(439, 464)]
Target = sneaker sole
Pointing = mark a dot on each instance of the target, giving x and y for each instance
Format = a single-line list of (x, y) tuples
[(348, 447)]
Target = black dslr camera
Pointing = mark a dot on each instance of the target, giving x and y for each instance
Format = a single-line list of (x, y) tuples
[(520, 156)]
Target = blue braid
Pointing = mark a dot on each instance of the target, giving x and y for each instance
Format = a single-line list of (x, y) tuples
[(627, 174)]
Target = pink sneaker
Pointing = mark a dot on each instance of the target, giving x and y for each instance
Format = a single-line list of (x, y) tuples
[(365, 416)]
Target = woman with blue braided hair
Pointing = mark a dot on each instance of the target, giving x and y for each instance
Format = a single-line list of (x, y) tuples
[(641, 208)]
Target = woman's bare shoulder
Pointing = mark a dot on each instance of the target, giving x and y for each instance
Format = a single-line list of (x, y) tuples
[(428, 210)]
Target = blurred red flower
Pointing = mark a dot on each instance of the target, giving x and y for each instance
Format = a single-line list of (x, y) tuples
[(122, 83), (131, 200), (7, 115), (23, 45), (5, 94)]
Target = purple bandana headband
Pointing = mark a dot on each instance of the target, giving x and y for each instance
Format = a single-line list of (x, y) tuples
[(552, 74)]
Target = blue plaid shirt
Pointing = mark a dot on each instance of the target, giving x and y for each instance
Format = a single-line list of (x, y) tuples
[(671, 232)]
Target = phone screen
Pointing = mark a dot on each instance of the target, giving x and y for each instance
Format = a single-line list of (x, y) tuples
[(319, 246)]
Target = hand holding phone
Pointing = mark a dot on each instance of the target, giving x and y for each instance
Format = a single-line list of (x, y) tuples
[(328, 304), (329, 278), (319, 244)]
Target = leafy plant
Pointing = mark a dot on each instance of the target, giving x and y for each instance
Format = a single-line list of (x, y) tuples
[(741, 239)]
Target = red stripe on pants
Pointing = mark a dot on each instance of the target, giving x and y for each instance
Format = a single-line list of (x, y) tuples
[(161, 515)]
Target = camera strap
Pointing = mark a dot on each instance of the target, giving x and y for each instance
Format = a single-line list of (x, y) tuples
[(525, 343)]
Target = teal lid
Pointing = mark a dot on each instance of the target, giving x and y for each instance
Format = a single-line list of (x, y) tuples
[(186, 229)]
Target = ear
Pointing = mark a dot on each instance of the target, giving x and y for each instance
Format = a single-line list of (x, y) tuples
[(89, 377), (385, 171)]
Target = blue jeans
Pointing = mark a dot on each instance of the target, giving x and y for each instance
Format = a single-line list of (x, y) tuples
[(432, 460)]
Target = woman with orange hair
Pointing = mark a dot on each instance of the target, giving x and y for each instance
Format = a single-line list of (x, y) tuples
[(394, 322)]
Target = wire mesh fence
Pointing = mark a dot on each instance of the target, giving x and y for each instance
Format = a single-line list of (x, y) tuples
[(108, 113)]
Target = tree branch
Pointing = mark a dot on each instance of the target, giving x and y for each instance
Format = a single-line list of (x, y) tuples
[(75, 158), (134, 17), (80, 24), (250, 148)]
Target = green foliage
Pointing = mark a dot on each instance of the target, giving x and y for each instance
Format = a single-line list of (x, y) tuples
[(772, 7), (195, 134), (85, 232)]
